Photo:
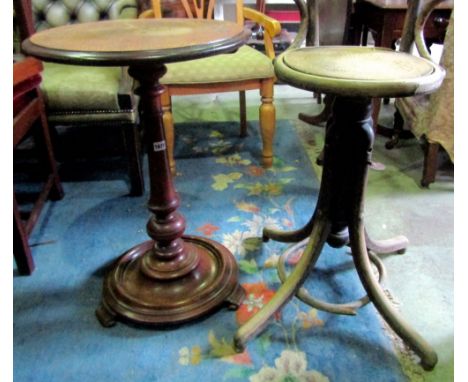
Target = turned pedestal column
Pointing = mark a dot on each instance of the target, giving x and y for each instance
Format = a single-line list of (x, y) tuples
[(171, 278)]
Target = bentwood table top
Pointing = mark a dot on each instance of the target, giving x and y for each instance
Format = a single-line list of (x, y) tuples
[(132, 41), (172, 278)]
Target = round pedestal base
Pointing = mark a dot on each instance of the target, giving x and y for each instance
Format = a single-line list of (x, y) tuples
[(132, 296)]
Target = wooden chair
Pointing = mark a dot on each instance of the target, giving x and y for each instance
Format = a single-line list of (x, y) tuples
[(87, 96), (29, 116), (428, 117), (246, 69)]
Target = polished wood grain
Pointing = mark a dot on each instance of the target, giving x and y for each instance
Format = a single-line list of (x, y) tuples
[(171, 278), (126, 42)]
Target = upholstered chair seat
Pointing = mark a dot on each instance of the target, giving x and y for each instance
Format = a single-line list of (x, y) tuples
[(80, 87), (245, 64)]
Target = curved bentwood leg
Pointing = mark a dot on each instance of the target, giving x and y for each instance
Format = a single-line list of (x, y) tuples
[(360, 134), (348, 308), (319, 228), (257, 323), (338, 219), (323, 116), (288, 236), (397, 244), (414, 340), (172, 278), (293, 236)]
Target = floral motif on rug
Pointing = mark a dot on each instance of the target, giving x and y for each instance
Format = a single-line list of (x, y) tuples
[(251, 198), (227, 196)]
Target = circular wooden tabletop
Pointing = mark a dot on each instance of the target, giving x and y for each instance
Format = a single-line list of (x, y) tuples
[(131, 41), (358, 71)]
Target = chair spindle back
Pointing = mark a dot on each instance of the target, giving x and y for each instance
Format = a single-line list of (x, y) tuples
[(200, 9)]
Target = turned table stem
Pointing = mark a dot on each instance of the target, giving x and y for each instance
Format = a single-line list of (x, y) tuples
[(172, 278), (168, 258)]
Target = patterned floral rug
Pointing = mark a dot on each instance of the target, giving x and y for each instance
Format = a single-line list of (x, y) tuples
[(227, 196)]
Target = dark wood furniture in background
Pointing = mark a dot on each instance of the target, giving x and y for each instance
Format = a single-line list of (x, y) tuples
[(385, 20), (29, 117), (171, 278)]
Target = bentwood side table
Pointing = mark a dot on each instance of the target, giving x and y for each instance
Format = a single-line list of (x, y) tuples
[(354, 75), (171, 278)]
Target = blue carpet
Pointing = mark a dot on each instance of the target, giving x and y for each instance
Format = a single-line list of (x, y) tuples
[(225, 196)]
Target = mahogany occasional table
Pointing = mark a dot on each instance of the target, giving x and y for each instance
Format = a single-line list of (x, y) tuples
[(171, 278)]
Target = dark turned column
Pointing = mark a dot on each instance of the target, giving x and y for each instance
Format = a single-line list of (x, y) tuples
[(348, 148), (173, 278), (169, 258), (349, 154)]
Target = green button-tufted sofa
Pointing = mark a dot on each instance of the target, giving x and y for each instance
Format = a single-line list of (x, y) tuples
[(82, 95)]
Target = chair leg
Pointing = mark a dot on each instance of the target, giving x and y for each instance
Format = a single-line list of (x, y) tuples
[(168, 122), (243, 114), (21, 250), (318, 96), (376, 103), (134, 154), (430, 164), (56, 192), (267, 121), (398, 123)]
